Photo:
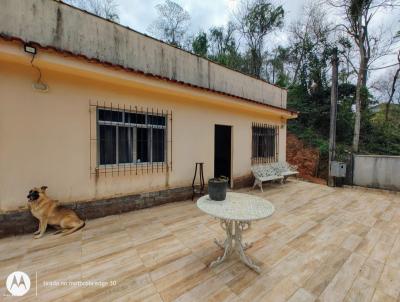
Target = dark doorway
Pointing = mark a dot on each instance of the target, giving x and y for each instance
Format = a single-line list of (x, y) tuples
[(222, 151)]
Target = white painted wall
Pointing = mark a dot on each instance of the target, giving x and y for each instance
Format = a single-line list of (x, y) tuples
[(377, 171)]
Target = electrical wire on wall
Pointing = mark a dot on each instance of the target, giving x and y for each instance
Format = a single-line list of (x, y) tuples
[(39, 84)]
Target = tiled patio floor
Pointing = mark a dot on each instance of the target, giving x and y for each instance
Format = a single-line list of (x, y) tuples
[(321, 244)]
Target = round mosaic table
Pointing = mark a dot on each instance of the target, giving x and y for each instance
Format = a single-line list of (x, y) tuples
[(236, 213)]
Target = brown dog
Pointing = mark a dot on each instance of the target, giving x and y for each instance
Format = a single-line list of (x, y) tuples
[(48, 212)]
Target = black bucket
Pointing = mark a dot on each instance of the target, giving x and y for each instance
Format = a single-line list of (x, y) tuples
[(217, 188)]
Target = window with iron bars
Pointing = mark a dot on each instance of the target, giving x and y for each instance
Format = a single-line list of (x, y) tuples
[(264, 143), (129, 137)]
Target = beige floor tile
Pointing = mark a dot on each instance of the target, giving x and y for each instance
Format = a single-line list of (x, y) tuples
[(380, 296), (351, 242), (389, 283), (321, 244), (302, 295), (342, 282)]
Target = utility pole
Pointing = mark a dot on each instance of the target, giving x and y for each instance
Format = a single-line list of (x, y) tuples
[(334, 98)]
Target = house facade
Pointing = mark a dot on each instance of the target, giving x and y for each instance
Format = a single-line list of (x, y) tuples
[(97, 111)]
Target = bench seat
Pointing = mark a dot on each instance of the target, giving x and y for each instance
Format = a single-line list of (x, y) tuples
[(285, 169), (290, 173), (273, 171), (264, 173), (275, 177)]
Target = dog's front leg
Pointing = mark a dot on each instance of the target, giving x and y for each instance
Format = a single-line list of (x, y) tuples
[(38, 231), (43, 227)]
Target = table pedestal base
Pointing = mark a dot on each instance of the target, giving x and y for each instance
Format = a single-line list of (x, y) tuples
[(233, 242)]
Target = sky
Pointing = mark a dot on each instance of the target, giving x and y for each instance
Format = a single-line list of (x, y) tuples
[(139, 14)]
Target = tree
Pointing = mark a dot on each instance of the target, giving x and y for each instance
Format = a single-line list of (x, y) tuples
[(393, 88), (275, 71), (222, 39), (107, 9), (345, 49), (356, 23), (171, 24), (311, 40), (200, 44), (256, 19), (387, 88), (223, 46)]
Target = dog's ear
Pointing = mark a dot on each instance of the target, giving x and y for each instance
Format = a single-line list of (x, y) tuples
[(43, 188)]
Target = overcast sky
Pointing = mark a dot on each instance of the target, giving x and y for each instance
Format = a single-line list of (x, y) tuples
[(138, 14)]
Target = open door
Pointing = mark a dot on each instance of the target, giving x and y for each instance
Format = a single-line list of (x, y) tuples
[(222, 151)]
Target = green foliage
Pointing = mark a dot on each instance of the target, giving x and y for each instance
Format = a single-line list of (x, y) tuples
[(394, 114), (310, 137), (219, 45), (383, 139), (262, 17), (313, 123), (282, 80), (314, 107), (312, 126), (275, 66), (304, 68), (381, 136), (345, 115), (230, 59), (200, 44), (258, 18)]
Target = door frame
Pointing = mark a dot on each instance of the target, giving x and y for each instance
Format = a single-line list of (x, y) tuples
[(231, 161)]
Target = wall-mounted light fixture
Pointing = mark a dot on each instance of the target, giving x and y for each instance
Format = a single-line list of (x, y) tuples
[(38, 85), (30, 49)]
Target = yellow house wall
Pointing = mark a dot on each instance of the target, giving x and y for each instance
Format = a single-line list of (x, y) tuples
[(53, 23), (45, 137)]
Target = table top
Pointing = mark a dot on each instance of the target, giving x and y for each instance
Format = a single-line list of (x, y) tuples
[(236, 206)]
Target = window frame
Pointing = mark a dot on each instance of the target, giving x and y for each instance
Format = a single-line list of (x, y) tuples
[(268, 140), (133, 126)]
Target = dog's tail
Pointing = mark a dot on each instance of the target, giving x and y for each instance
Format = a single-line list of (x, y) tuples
[(78, 227)]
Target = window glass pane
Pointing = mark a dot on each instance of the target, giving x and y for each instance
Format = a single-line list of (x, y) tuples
[(107, 137), (142, 145), (110, 115), (261, 146), (158, 145), (135, 118), (125, 145), (156, 120), (263, 142), (271, 143)]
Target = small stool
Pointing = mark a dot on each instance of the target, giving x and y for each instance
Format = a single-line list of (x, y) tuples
[(201, 175)]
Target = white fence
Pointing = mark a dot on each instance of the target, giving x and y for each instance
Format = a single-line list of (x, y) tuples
[(377, 171)]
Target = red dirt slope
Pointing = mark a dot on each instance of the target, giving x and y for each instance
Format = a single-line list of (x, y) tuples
[(305, 158)]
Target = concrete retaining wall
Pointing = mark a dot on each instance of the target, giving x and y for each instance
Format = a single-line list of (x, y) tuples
[(377, 171)]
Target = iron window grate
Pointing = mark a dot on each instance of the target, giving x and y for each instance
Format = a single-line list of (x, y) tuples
[(126, 140), (265, 143)]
